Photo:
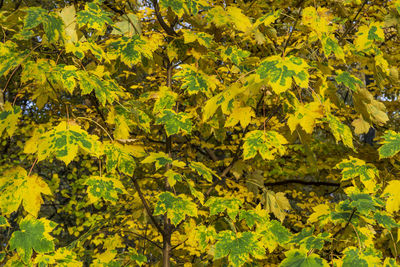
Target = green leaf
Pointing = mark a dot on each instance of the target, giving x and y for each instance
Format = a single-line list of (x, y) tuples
[(220, 204), (175, 122), (340, 131), (234, 54), (306, 239), (278, 72), (202, 170), (390, 262), (273, 233), (176, 207), (300, 258), (331, 45), (160, 158), (179, 7), (104, 187), (120, 156), (93, 17), (251, 217), (53, 25), (238, 247), (63, 141), (173, 177), (390, 145), (194, 80), (131, 50), (202, 38), (9, 119), (385, 220), (17, 188), (10, 57), (268, 144), (353, 168), (348, 80), (367, 35), (165, 99), (33, 235), (105, 90), (64, 75), (205, 235), (353, 257)]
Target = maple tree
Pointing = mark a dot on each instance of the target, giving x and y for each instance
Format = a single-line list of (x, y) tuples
[(195, 132)]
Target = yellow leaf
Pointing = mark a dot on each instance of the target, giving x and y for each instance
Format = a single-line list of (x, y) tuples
[(360, 125), (240, 114), (305, 116), (276, 203), (393, 201)]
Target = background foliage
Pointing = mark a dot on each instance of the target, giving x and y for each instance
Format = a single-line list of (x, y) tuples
[(195, 132)]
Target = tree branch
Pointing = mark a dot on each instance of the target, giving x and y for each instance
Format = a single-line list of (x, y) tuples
[(146, 206), (297, 181), (168, 29)]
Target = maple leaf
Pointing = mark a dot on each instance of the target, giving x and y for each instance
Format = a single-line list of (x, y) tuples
[(160, 158), (93, 17), (33, 235), (120, 156), (10, 57), (301, 258), (353, 168), (268, 144), (340, 131), (348, 80), (273, 233), (278, 72), (240, 114), (202, 38), (176, 207), (17, 188), (175, 122), (132, 49), (195, 81), (393, 201), (63, 141), (219, 204), (9, 118), (366, 36), (104, 187), (276, 203), (202, 170), (52, 23), (305, 116), (390, 145), (238, 247), (352, 256)]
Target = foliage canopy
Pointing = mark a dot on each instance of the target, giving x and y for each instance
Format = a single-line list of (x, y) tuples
[(196, 132)]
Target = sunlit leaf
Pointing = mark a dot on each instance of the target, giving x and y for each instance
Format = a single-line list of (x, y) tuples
[(195, 81), (17, 188), (300, 258), (33, 235), (175, 122), (63, 141), (176, 207), (390, 145), (278, 72), (238, 247), (268, 144), (93, 17), (9, 119), (340, 131), (219, 204)]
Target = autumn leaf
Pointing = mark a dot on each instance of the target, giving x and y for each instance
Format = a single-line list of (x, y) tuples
[(34, 235), (104, 187), (17, 188), (268, 144), (63, 141), (177, 207)]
